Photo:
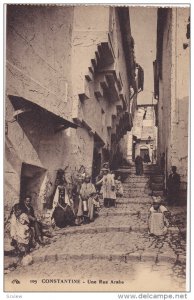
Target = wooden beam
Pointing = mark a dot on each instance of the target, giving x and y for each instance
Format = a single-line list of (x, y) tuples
[(21, 111)]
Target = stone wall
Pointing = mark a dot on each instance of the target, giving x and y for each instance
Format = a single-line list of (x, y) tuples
[(164, 111), (180, 105), (174, 94), (39, 70), (88, 34), (39, 55), (50, 51)]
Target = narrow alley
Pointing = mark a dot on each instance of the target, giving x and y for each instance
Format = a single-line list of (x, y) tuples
[(96, 148)]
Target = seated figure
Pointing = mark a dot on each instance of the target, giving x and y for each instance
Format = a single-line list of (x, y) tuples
[(158, 222)]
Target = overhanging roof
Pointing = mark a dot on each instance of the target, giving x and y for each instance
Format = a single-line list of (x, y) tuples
[(128, 44), (23, 106)]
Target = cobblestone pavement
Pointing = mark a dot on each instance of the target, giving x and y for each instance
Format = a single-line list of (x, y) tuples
[(115, 246), (138, 276)]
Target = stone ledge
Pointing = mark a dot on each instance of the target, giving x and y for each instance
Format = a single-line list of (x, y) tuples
[(128, 201), (126, 257), (173, 229), (102, 229), (120, 213), (162, 257), (149, 256)]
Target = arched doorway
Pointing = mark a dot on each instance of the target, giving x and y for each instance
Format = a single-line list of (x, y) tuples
[(144, 150)]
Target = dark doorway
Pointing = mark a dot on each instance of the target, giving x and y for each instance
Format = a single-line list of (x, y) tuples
[(31, 179), (96, 164), (143, 152)]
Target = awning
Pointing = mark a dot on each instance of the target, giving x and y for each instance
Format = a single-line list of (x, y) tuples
[(23, 106)]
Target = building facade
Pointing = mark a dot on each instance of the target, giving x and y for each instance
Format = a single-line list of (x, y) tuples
[(69, 77), (144, 133), (171, 73)]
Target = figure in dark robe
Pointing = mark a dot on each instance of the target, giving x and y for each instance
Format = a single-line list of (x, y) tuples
[(139, 165), (173, 185)]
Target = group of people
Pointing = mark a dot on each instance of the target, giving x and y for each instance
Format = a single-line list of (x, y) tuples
[(72, 204), (79, 203), (75, 203)]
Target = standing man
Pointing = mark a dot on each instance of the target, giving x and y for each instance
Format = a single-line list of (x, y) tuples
[(139, 165), (173, 186)]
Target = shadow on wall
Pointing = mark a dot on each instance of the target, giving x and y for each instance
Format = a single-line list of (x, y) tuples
[(12, 156)]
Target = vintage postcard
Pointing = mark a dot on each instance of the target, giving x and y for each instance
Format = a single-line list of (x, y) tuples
[(96, 148)]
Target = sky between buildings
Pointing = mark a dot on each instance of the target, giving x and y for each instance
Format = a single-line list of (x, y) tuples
[(143, 28)]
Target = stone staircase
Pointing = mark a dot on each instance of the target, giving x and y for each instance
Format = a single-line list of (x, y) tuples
[(152, 180), (118, 236), (128, 219)]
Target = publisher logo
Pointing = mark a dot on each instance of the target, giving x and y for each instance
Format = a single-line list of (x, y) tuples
[(15, 281)]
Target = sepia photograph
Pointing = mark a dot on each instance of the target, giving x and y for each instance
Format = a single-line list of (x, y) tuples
[(96, 148)]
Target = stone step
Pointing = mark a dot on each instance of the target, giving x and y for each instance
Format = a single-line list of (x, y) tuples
[(127, 205), (133, 200), (157, 179), (157, 186), (139, 210), (127, 245), (130, 189), (127, 185), (124, 212), (142, 179), (133, 172), (136, 193), (146, 172), (138, 256), (145, 167), (158, 193), (137, 182), (116, 222), (89, 229)]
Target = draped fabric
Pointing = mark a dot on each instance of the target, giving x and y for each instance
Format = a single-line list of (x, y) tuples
[(87, 193), (173, 185), (108, 186), (18, 231), (87, 189), (62, 213), (63, 216), (56, 198), (157, 221)]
